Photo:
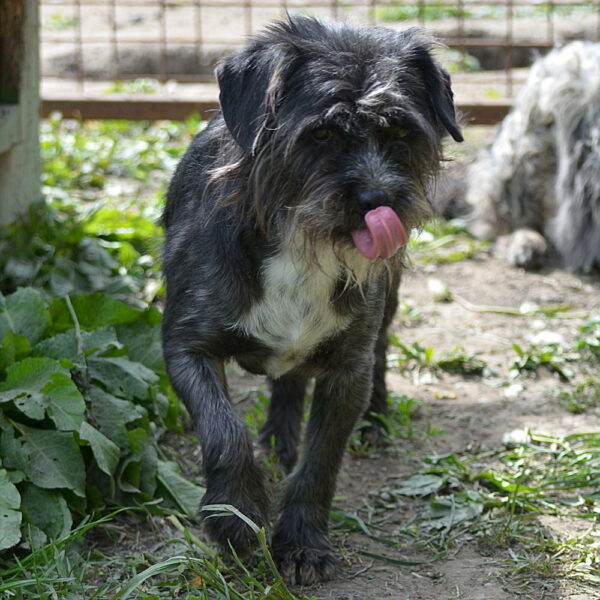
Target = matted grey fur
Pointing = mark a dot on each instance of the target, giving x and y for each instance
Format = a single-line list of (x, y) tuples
[(539, 181), (328, 140)]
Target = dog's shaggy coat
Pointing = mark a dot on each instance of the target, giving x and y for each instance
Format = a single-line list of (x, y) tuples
[(323, 129), (540, 179)]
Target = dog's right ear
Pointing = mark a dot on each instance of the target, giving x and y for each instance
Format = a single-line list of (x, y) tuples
[(245, 83)]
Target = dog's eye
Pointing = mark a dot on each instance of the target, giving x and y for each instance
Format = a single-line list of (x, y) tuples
[(399, 133), (322, 135)]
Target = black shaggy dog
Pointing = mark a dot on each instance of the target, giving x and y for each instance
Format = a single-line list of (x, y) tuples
[(286, 223)]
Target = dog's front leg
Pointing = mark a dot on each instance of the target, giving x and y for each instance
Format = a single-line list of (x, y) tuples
[(300, 539), (232, 476)]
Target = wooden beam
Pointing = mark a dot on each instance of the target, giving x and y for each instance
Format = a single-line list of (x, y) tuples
[(142, 108)]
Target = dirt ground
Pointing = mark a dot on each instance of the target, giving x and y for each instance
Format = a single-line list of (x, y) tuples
[(473, 415)]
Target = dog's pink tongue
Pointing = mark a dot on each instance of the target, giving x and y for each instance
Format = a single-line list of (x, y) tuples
[(383, 236)]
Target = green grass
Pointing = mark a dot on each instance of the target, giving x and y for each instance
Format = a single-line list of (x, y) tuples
[(181, 567)]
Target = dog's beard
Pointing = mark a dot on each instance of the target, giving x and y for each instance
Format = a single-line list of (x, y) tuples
[(298, 193)]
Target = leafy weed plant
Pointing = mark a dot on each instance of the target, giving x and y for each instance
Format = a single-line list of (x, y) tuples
[(415, 357), (585, 396)]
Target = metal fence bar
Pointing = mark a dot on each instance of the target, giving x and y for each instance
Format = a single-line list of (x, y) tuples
[(198, 30)]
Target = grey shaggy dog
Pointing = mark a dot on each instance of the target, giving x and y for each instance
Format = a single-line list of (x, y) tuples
[(539, 181), (286, 223)]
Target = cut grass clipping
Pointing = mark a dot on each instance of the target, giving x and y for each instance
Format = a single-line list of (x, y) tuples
[(497, 499)]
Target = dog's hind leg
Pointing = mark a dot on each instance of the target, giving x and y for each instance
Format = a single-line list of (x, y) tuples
[(374, 427), (232, 476), (282, 429), (300, 540)]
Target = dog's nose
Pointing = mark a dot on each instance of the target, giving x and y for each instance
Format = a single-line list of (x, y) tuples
[(370, 199)]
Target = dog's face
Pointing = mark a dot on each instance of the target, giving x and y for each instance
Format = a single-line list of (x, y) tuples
[(334, 124)]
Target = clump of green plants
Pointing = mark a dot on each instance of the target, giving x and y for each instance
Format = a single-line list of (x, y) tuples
[(553, 356), (397, 424), (559, 356), (131, 160), (59, 22), (83, 400), (415, 357), (58, 250), (588, 339), (84, 397), (141, 85), (428, 12), (584, 397)]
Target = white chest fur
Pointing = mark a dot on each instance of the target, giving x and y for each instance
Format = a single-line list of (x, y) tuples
[(296, 312)]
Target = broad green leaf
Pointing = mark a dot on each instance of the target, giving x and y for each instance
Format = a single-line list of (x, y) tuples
[(10, 449), (47, 510), (186, 494), (24, 383), (143, 343), (122, 377), (107, 221), (64, 345), (111, 415), (52, 459), (102, 339), (105, 452), (130, 478), (420, 485), (149, 464), (92, 310), (10, 516), (138, 441), (66, 405), (24, 313), (39, 384), (13, 347), (447, 512)]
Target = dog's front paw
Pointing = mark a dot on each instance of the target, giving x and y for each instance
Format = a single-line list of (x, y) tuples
[(229, 530), (303, 564), (526, 249)]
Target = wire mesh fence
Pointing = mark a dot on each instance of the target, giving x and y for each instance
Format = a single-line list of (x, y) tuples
[(132, 46)]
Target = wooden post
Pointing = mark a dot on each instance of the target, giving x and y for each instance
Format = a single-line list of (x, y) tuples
[(19, 107)]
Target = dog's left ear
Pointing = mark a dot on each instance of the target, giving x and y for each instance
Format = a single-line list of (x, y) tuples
[(245, 83), (438, 85)]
